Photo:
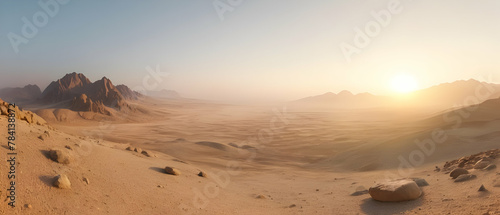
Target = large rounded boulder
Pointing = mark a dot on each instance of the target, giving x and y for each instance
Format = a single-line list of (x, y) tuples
[(396, 191)]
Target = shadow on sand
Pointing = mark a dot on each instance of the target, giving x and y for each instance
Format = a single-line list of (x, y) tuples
[(372, 207), (46, 153), (158, 169), (48, 180)]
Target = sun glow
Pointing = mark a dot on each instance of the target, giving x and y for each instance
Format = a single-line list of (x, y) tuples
[(404, 83)]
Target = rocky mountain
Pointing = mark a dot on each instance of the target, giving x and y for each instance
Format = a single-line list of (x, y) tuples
[(81, 94), (20, 94), (65, 88), (127, 93)]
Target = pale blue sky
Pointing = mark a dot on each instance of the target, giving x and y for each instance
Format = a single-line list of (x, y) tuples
[(274, 49)]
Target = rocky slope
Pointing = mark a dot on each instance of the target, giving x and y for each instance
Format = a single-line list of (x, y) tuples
[(27, 116), (127, 93)]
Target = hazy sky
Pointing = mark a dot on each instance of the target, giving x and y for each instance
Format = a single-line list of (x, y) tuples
[(269, 49)]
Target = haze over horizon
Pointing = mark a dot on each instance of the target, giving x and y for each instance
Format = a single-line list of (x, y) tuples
[(281, 50)]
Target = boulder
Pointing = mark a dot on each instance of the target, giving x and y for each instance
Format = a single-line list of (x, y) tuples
[(465, 177), (62, 182), (172, 171), (458, 172), (60, 156), (395, 191)]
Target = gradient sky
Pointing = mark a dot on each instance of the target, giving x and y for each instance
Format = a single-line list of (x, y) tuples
[(279, 49)]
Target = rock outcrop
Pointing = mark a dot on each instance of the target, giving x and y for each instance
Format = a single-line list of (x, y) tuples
[(472, 161), (84, 103), (27, 116)]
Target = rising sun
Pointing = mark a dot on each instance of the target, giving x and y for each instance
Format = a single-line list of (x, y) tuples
[(404, 83)]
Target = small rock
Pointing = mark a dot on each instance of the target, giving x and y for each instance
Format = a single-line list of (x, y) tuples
[(172, 171), (138, 150), (62, 182), (129, 149), (465, 177), (437, 169), (292, 206), (490, 167), (146, 153), (261, 197), (160, 186), (43, 137), (60, 156), (86, 180), (420, 182), (482, 189), (202, 174), (458, 172), (28, 206), (68, 147), (481, 164)]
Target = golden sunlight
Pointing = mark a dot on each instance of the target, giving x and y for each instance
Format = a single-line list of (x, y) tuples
[(404, 83)]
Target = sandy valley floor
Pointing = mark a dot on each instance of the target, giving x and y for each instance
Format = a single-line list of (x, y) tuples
[(259, 160)]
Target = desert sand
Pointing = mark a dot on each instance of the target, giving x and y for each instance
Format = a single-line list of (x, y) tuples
[(257, 160)]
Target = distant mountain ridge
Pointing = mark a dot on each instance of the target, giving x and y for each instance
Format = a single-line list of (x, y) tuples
[(344, 99), (443, 96), (20, 94), (168, 94), (83, 95)]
